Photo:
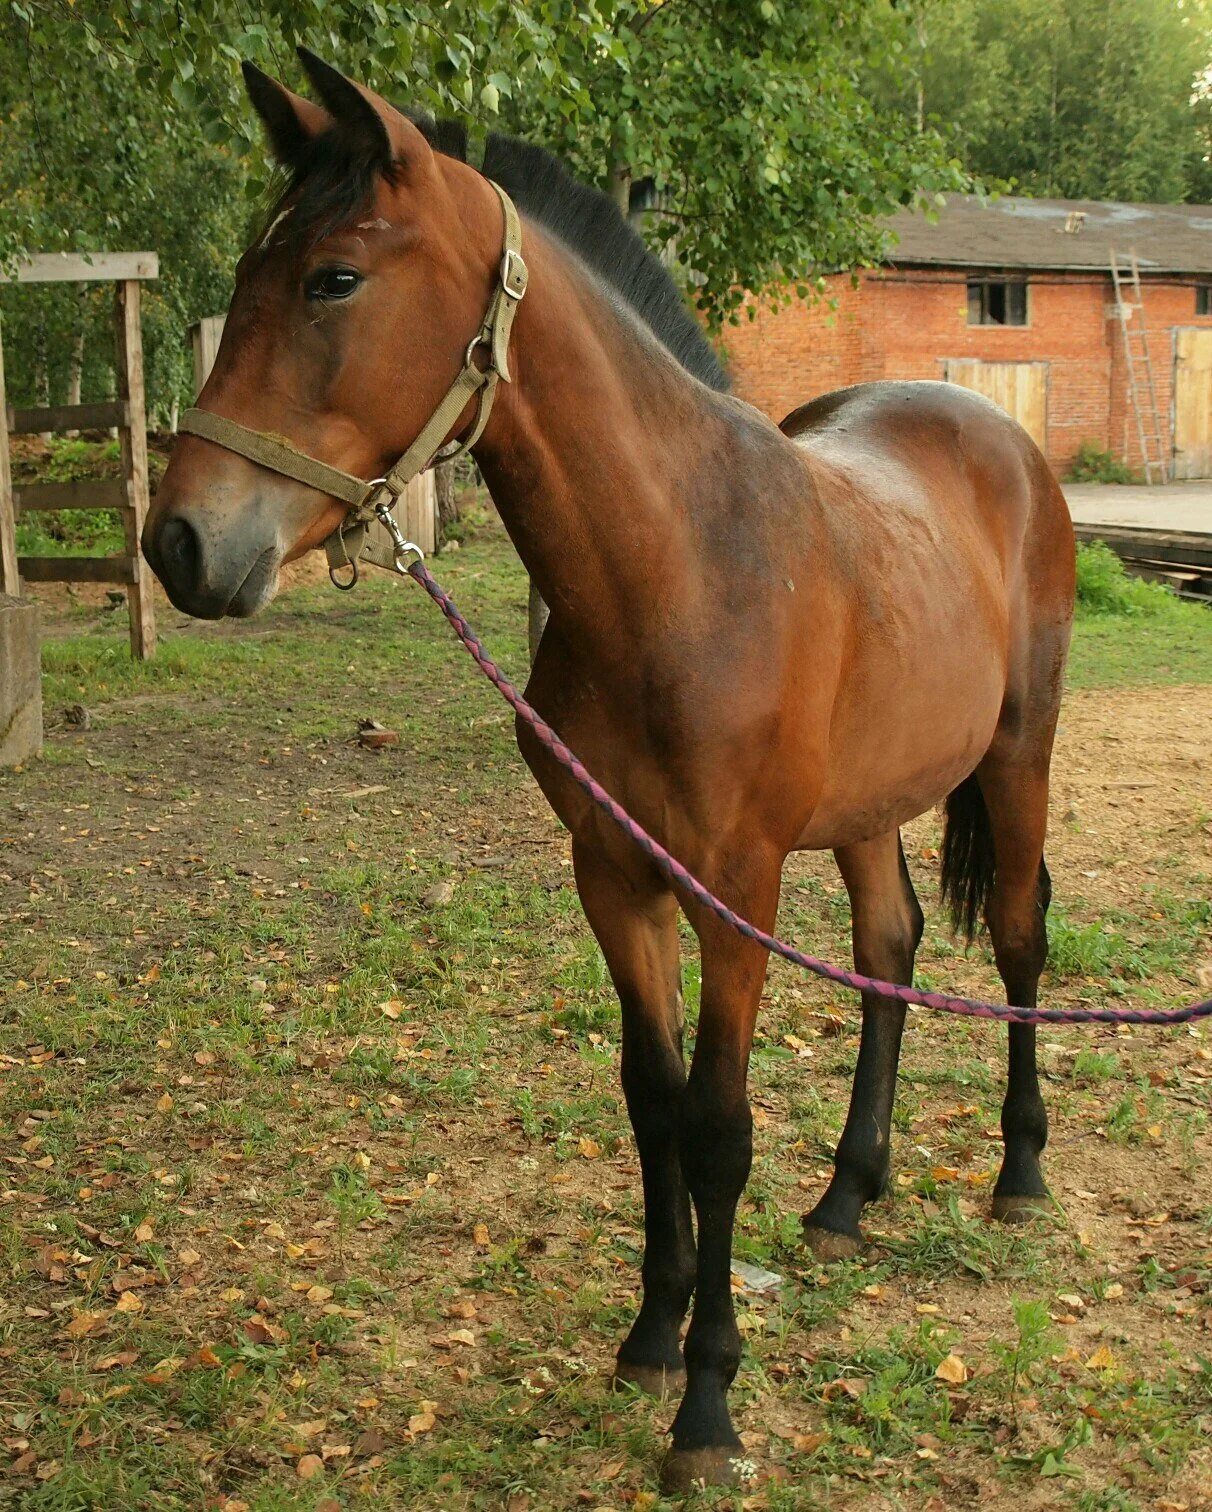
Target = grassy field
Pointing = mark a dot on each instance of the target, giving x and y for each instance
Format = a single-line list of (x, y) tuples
[(317, 1188)]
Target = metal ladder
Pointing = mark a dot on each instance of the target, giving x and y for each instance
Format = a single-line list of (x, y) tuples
[(1154, 449)]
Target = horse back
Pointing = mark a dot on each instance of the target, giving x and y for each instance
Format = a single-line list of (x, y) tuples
[(914, 458)]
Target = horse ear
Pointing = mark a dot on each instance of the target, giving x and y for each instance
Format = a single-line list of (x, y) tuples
[(291, 122), (380, 124), (351, 105)]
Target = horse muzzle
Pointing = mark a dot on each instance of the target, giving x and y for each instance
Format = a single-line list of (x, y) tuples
[(207, 576)]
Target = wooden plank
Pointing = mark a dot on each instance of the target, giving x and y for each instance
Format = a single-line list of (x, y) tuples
[(10, 578), (65, 569), (63, 417), (1181, 548), (205, 337), (85, 267), (418, 512), (87, 493), (1193, 402), (128, 333)]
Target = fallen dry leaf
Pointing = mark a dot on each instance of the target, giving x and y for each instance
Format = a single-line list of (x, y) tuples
[(83, 1323), (807, 1443), (112, 1362), (1101, 1359), (952, 1370)]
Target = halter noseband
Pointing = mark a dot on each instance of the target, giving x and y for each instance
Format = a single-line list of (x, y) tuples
[(377, 498)]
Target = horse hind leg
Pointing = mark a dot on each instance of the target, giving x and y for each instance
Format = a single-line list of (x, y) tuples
[(996, 826), (887, 928)]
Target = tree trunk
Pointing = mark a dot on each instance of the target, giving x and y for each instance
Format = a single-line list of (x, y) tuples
[(448, 509), (75, 372), (42, 377)]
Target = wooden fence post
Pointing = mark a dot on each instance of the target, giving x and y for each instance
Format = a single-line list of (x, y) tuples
[(205, 336), (132, 436), (10, 581)]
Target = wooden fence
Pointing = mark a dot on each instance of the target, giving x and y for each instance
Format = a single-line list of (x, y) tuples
[(128, 494)]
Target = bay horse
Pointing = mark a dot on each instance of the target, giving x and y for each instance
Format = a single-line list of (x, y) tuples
[(762, 638)]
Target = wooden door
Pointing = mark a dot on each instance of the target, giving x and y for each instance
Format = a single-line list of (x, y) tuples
[(1193, 402), (1020, 388)]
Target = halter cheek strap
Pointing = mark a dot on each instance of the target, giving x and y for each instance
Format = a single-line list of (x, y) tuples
[(376, 498)]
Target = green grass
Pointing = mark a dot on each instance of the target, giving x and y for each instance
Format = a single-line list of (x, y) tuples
[(326, 1117), (1131, 632)]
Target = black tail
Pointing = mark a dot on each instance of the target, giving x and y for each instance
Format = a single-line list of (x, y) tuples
[(967, 857)]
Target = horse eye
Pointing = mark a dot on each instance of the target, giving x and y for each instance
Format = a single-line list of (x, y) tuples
[(332, 283)]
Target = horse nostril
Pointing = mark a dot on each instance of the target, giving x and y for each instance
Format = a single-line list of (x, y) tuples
[(179, 551)]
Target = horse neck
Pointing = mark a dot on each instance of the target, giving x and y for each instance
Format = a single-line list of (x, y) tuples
[(594, 454)]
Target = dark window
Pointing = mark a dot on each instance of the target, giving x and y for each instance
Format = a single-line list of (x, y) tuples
[(997, 301), (1203, 299)]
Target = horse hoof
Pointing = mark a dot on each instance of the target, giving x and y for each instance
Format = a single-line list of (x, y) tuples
[(652, 1380), (684, 1470), (827, 1244), (1009, 1208)]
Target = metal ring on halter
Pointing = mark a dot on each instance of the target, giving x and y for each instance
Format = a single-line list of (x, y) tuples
[(403, 566), (480, 339), (336, 581)]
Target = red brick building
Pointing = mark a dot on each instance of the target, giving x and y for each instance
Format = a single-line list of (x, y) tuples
[(1015, 298)]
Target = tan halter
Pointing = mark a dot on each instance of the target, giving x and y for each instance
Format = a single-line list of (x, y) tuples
[(376, 498)]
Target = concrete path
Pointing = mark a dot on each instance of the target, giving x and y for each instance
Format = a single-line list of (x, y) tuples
[(1169, 506)]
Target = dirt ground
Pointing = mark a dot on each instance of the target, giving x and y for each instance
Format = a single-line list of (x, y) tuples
[(317, 1186)]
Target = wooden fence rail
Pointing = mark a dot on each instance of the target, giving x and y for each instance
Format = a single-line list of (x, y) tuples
[(128, 494)]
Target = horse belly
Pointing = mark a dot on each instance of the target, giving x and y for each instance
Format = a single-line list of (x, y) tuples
[(900, 743)]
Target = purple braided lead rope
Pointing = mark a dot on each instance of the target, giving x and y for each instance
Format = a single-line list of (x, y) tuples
[(677, 873)]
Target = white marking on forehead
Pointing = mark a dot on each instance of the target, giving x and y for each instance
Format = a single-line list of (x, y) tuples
[(374, 225), (273, 226)]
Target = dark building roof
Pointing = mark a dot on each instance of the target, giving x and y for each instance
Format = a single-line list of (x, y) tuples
[(1052, 233)]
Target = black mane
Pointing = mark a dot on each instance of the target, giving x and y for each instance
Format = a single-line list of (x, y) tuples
[(590, 223), (334, 180)]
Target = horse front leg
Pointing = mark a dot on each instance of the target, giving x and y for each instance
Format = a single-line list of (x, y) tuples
[(717, 1148), (634, 917)]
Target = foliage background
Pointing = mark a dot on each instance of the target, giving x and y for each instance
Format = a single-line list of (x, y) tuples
[(779, 133)]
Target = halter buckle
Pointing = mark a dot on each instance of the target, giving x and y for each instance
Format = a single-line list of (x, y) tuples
[(514, 274)]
